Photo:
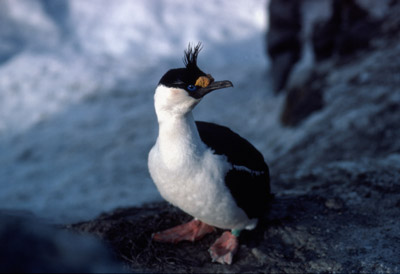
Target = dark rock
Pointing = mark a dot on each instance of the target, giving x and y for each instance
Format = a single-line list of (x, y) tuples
[(283, 41), (294, 27), (29, 245), (349, 29), (301, 102)]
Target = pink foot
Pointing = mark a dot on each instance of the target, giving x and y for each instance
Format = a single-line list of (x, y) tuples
[(224, 248), (191, 231)]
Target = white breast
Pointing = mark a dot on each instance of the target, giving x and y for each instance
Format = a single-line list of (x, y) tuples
[(198, 188)]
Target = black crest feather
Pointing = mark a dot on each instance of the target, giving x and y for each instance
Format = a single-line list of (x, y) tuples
[(190, 58)]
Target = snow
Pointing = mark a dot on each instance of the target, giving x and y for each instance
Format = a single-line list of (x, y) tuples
[(76, 86)]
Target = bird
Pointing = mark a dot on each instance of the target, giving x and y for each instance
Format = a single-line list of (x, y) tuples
[(207, 170)]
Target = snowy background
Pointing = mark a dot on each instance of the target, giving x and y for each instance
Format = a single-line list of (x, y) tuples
[(76, 94)]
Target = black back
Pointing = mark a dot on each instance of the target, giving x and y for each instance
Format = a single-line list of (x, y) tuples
[(251, 190)]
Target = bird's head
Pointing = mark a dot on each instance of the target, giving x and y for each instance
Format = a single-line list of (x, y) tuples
[(181, 89)]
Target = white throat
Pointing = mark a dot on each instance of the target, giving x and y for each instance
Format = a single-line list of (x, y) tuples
[(172, 103), (179, 141)]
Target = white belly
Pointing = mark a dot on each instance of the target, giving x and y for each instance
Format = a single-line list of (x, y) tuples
[(197, 187)]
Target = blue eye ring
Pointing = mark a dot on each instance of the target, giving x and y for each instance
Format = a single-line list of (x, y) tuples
[(191, 87)]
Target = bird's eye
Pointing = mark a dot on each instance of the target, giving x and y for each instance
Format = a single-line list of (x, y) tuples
[(191, 87)]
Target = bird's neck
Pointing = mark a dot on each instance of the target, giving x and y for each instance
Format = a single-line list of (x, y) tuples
[(179, 140)]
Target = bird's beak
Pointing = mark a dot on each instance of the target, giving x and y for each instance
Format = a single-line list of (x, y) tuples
[(201, 92)]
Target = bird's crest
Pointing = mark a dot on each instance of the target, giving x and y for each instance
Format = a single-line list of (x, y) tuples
[(190, 58)]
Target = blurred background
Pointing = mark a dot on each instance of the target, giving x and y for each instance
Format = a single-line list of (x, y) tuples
[(77, 79)]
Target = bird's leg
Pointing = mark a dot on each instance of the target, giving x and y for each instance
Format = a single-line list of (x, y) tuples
[(225, 247), (191, 231)]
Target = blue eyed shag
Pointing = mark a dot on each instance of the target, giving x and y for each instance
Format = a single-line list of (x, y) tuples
[(205, 169)]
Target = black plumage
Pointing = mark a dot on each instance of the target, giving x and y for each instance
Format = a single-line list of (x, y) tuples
[(182, 77), (190, 57), (249, 187)]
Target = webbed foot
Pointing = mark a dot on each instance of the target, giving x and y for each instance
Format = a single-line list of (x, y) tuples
[(191, 231), (224, 248)]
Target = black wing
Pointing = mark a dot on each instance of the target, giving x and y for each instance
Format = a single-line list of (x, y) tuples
[(249, 186)]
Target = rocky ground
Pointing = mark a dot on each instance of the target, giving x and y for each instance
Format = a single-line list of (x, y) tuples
[(337, 188), (342, 218)]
